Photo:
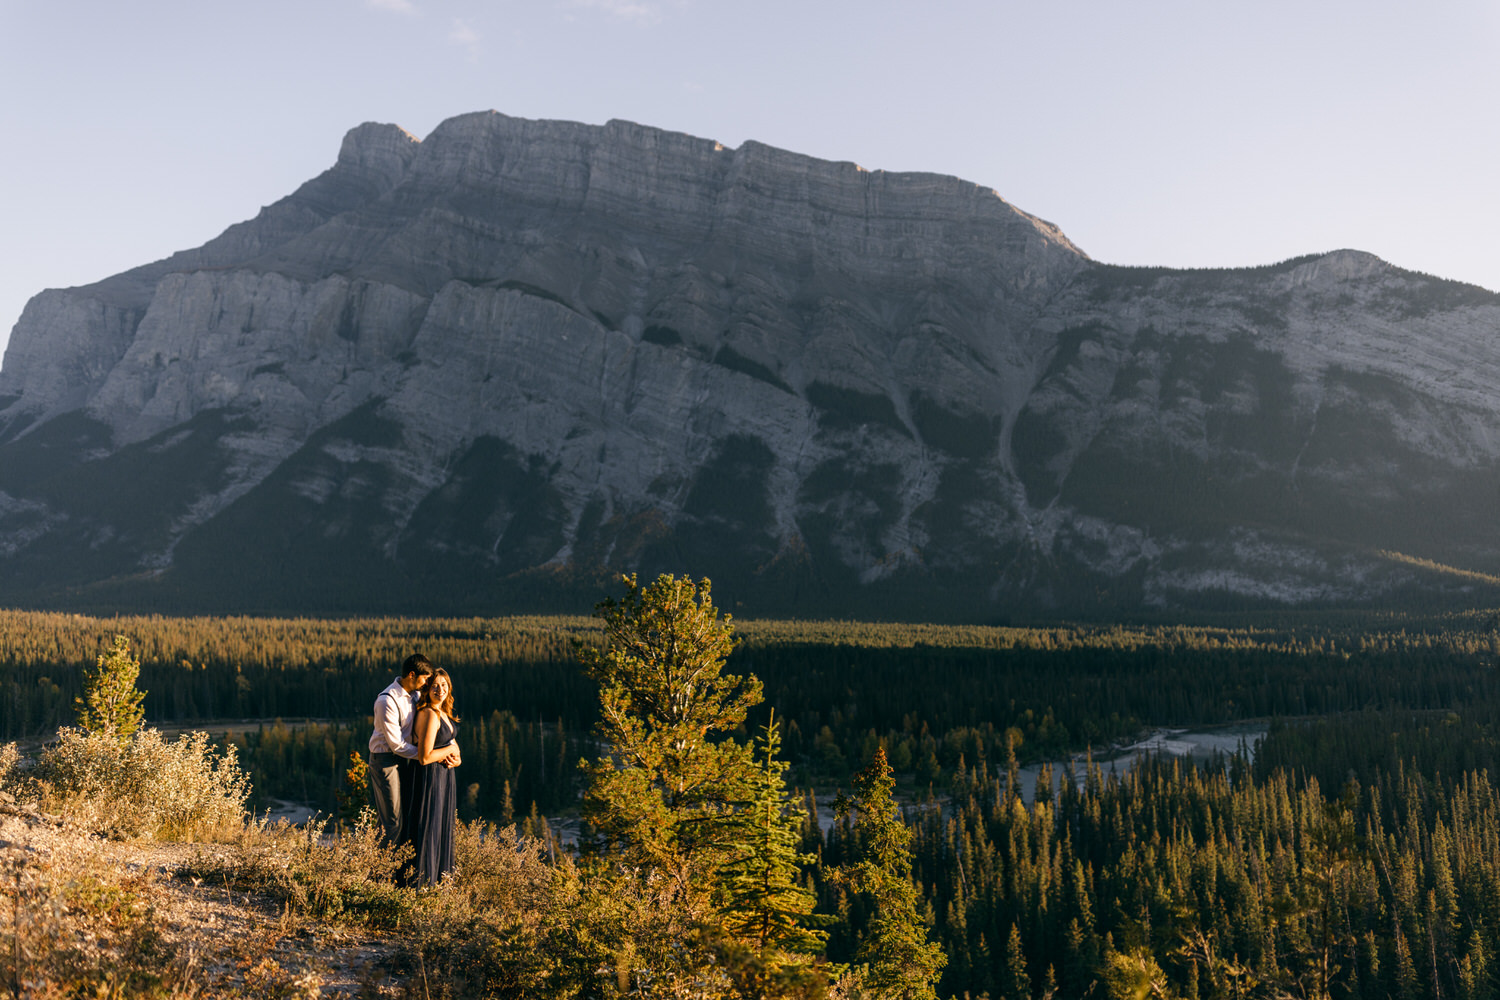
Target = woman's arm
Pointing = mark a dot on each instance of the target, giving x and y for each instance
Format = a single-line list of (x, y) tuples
[(427, 727)]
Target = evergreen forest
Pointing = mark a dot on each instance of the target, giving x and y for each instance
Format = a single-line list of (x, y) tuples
[(1355, 853)]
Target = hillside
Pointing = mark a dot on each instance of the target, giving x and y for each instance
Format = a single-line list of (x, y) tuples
[(94, 914)]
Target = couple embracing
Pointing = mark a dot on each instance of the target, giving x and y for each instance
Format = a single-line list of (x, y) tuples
[(413, 752)]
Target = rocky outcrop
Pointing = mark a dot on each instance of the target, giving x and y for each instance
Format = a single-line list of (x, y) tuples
[(486, 370)]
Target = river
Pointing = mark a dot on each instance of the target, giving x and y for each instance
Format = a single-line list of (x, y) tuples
[(1119, 759)]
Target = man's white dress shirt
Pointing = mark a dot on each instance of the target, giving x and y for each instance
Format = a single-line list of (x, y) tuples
[(395, 709)]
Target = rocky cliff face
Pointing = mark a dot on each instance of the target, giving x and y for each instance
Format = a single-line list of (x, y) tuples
[(485, 370)]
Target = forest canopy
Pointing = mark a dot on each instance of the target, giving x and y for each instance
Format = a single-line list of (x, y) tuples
[(1353, 856)]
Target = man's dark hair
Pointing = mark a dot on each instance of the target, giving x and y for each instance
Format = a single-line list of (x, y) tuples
[(417, 664)]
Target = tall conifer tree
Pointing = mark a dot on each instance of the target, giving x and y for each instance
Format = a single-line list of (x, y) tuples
[(659, 795), (689, 810), (898, 958), (765, 906)]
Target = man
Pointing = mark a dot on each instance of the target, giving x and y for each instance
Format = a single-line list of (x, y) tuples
[(392, 752)]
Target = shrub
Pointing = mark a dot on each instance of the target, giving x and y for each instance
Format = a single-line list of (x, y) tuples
[(183, 789), (10, 756), (350, 878), (502, 925)]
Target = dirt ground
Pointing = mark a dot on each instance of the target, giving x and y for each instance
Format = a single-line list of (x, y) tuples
[(61, 892)]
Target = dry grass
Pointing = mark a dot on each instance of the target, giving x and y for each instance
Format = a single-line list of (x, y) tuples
[(94, 904), (130, 870), (85, 916), (315, 872), (74, 923)]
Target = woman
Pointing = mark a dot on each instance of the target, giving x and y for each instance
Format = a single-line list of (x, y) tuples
[(435, 794)]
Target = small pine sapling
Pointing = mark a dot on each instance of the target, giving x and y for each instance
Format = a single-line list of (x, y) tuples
[(110, 704)]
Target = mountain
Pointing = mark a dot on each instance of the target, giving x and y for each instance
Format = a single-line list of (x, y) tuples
[(485, 371)]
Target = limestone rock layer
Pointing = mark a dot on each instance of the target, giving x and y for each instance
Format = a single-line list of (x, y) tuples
[(487, 370)]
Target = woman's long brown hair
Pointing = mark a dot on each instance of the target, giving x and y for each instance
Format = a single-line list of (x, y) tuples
[(426, 700)]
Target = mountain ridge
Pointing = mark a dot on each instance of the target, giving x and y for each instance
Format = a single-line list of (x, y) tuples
[(526, 355)]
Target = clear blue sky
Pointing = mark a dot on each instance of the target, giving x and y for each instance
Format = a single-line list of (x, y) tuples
[(1186, 134)]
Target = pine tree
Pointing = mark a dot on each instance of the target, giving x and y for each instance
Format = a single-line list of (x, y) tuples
[(1474, 973), (1406, 970), (1012, 765), (1369, 962), (1135, 975), (1077, 963), (766, 911), (110, 704), (1017, 982), (658, 795), (898, 959), (1331, 847)]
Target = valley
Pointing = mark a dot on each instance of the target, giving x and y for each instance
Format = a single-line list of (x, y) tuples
[(1022, 548), (1377, 719)]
